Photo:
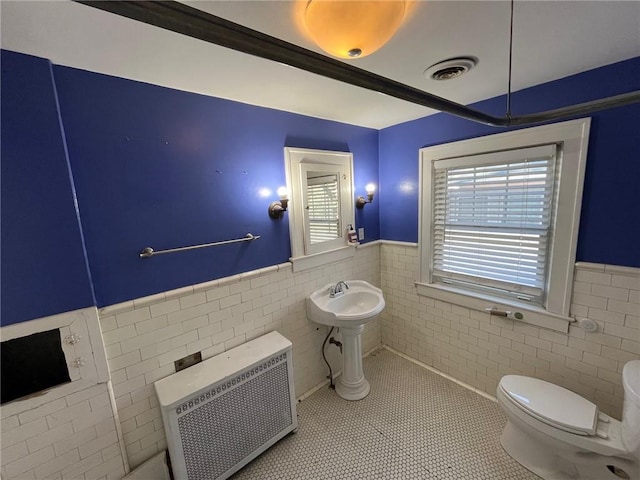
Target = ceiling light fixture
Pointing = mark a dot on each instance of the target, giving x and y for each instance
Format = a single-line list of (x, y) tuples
[(353, 29), (194, 23)]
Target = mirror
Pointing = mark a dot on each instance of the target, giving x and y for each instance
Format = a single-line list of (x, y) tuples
[(322, 212), (321, 201)]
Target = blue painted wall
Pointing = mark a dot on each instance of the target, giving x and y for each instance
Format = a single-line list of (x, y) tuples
[(165, 168), (44, 269), (158, 167), (610, 220)]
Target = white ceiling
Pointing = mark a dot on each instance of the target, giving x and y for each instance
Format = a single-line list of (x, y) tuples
[(552, 39)]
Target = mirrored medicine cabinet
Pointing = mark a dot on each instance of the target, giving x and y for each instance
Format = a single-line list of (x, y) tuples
[(320, 183)]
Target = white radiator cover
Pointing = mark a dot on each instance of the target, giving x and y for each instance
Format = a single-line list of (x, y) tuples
[(222, 413)]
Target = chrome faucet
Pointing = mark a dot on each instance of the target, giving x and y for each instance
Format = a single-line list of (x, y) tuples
[(338, 290)]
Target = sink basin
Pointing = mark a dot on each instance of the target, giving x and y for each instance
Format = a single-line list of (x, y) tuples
[(358, 305), (361, 303)]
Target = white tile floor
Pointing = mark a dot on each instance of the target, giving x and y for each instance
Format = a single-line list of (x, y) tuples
[(413, 425)]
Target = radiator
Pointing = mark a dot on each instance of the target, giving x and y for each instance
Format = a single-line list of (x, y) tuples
[(225, 411)]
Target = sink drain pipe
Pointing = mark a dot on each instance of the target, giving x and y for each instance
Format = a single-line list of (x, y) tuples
[(324, 344)]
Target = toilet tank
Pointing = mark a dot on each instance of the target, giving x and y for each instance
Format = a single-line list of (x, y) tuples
[(631, 407)]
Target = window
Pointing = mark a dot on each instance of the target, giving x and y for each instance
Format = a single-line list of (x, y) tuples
[(499, 219), (492, 221)]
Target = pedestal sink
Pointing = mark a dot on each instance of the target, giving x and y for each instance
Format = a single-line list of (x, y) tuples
[(350, 310)]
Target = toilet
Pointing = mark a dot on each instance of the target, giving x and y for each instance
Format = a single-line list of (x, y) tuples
[(560, 435)]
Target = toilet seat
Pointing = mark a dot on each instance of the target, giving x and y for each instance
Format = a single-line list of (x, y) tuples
[(551, 404)]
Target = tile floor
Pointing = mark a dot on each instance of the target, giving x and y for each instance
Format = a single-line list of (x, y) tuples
[(413, 425)]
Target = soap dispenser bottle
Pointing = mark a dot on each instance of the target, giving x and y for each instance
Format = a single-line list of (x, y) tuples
[(352, 236)]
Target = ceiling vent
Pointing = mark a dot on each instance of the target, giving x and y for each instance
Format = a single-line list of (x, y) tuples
[(450, 69)]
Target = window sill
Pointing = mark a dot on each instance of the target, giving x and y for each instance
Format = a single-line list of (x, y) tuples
[(318, 259), (476, 301)]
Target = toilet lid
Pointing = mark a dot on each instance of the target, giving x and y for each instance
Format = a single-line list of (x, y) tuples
[(552, 404)]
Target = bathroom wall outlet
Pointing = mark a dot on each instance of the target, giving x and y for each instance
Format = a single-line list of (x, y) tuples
[(361, 234)]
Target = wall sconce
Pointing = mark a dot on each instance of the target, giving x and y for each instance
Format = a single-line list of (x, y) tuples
[(277, 208), (348, 29), (361, 201)]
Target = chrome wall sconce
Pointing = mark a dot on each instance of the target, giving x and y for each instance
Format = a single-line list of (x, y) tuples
[(277, 208), (361, 201)]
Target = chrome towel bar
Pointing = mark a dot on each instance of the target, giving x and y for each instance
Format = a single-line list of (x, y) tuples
[(150, 252)]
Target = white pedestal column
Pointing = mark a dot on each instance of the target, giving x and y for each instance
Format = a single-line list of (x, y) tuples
[(351, 385)]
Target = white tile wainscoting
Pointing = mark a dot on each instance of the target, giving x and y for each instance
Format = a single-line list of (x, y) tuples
[(144, 337), (74, 435), (479, 349), (67, 431), (70, 436)]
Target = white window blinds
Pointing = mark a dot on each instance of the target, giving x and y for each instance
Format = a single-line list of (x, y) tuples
[(323, 205), (491, 220)]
